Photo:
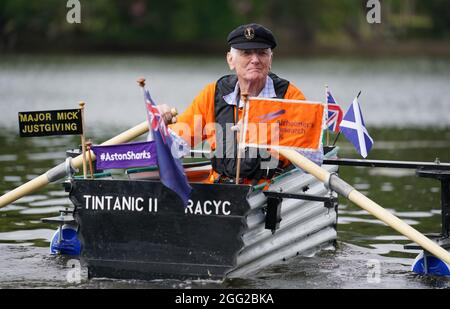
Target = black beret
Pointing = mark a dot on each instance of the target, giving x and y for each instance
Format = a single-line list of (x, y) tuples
[(251, 36)]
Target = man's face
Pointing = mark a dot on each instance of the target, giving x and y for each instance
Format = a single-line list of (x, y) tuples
[(251, 64)]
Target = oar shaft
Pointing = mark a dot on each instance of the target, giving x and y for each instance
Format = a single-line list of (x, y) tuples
[(44, 179), (364, 202), (399, 225), (23, 190), (305, 164)]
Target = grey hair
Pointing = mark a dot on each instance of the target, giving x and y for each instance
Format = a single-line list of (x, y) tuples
[(234, 51)]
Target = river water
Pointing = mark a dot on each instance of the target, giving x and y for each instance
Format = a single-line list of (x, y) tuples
[(404, 104)]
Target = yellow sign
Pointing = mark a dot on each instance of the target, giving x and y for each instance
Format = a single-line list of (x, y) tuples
[(46, 123)]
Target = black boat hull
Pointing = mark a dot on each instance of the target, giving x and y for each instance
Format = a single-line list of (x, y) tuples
[(158, 237), (139, 229)]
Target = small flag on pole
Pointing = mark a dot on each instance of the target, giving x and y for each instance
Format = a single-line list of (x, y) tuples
[(354, 129), (171, 170), (335, 113)]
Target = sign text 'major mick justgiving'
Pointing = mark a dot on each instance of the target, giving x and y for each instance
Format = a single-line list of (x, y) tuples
[(46, 123)]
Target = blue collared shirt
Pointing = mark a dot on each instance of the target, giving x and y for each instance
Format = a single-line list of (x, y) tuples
[(267, 92)]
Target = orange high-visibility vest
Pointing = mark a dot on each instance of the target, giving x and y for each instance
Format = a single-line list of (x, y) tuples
[(198, 121)]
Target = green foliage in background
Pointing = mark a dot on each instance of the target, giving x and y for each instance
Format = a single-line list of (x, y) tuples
[(204, 24)]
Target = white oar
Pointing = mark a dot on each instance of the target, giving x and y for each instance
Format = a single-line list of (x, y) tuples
[(364, 202), (59, 171)]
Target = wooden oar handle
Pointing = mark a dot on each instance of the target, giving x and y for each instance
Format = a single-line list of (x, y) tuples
[(141, 82)]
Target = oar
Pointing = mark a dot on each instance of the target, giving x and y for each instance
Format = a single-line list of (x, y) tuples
[(59, 171), (362, 201)]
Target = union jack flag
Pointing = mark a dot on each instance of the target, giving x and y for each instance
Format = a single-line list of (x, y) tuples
[(335, 114), (154, 116)]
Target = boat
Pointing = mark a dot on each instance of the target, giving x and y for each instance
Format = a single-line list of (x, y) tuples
[(136, 228)]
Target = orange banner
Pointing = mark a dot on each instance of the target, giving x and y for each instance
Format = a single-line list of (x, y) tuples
[(274, 123)]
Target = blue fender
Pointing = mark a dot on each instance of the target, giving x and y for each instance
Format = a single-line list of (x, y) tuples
[(69, 244), (436, 267)]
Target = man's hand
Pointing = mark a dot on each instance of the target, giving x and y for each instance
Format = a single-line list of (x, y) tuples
[(168, 114)]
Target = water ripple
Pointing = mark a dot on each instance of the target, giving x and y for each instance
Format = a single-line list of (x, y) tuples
[(42, 210), (12, 207), (8, 157), (391, 172), (27, 235), (12, 178), (31, 198), (347, 220), (42, 156), (52, 202)]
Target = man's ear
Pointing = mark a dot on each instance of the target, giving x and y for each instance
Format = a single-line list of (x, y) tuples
[(230, 61)]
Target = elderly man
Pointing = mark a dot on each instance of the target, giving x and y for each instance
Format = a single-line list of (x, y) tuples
[(218, 108)]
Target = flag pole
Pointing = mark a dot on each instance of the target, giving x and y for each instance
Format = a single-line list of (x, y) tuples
[(83, 140), (337, 136), (141, 83), (91, 167), (326, 127), (241, 137), (339, 133)]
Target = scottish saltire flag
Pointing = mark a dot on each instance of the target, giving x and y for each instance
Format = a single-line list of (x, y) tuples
[(335, 113), (171, 170), (354, 129)]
